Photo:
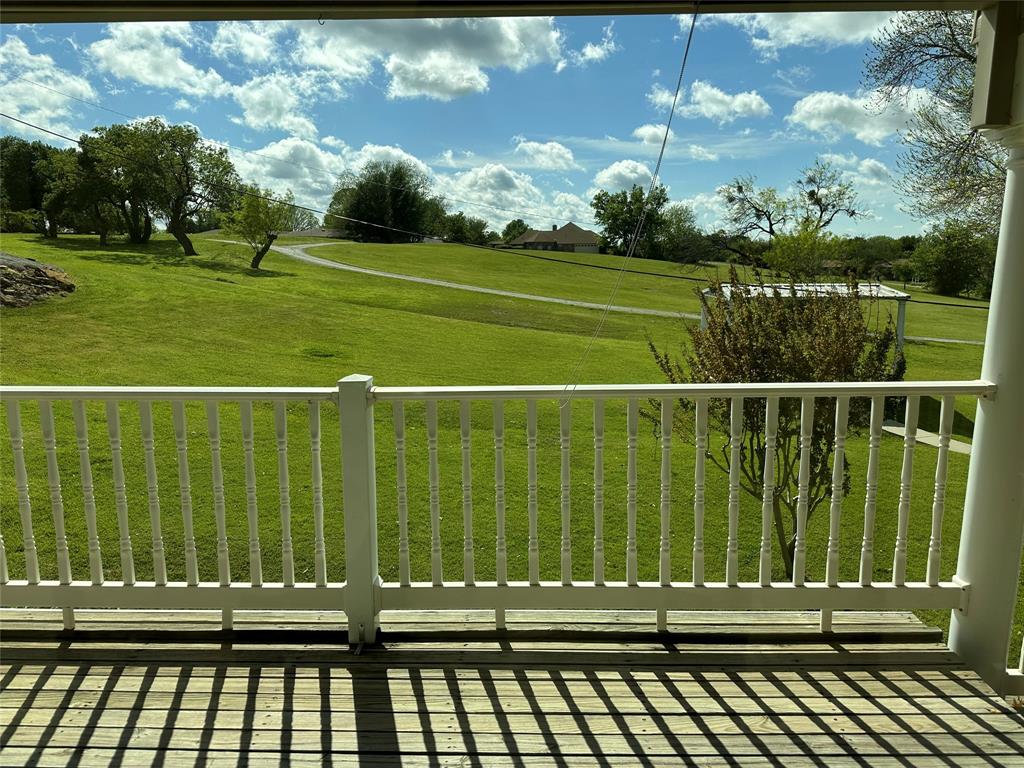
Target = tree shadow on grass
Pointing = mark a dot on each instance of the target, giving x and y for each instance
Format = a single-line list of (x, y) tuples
[(158, 253)]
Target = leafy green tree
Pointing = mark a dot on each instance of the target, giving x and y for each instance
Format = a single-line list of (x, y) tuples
[(300, 219), (802, 253), (955, 259), (385, 201), (867, 257), (679, 238), (126, 157), (258, 217), (194, 177), (779, 337), (513, 229), (58, 168), (618, 214), (22, 186)]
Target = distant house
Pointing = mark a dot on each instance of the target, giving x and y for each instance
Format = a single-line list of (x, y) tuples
[(567, 238)]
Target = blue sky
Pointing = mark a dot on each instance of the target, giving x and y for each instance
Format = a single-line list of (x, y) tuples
[(526, 115)]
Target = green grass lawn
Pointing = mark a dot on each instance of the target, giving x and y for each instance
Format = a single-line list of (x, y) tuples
[(150, 316), (667, 285)]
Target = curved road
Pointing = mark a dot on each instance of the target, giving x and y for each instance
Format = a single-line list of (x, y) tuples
[(299, 252)]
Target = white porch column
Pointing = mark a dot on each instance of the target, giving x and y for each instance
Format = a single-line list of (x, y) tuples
[(992, 535), (993, 524), (359, 497)]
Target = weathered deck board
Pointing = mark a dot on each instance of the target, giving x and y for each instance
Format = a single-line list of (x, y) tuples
[(561, 690)]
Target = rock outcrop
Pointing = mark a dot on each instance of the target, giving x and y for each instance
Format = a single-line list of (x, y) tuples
[(25, 281)]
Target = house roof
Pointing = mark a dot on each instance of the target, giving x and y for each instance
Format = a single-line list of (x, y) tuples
[(570, 234)]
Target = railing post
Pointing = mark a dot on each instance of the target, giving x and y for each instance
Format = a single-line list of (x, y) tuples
[(360, 507), (993, 522)]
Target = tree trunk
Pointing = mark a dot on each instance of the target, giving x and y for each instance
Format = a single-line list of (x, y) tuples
[(787, 548), (147, 228), (103, 236), (131, 224), (262, 251), (51, 226), (178, 230)]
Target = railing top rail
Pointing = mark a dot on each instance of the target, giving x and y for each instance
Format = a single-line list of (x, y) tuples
[(167, 393), (977, 388)]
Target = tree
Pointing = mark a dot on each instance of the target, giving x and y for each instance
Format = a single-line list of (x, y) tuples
[(925, 61), (801, 254), (385, 201), (300, 219), (820, 194), (618, 214), (258, 218), (955, 259), (679, 239), (194, 177), (779, 337), (126, 157), (22, 186), (513, 229), (58, 168)]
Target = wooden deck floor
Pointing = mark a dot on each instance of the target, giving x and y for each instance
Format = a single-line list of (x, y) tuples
[(571, 690)]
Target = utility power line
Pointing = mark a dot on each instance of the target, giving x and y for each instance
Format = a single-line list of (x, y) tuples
[(322, 171)]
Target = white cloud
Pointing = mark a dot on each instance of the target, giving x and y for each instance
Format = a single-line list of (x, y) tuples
[(622, 174), (715, 104), (31, 103), (494, 184), (708, 208), (452, 159), (254, 43), (548, 155), (307, 169), (275, 101), (867, 172), (651, 133), (431, 58), (150, 53), (438, 75), (295, 164), (184, 105), (834, 114), (770, 32), (660, 97), (592, 52), (698, 152), (872, 172), (383, 153)]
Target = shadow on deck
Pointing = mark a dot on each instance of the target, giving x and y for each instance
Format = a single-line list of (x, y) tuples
[(568, 690)]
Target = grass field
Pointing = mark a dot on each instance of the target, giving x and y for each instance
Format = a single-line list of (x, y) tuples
[(667, 285), (149, 316)]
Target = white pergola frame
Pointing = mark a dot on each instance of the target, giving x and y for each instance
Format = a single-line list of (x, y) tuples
[(872, 291), (992, 537)]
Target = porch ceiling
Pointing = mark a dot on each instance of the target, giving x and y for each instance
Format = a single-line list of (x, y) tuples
[(41, 11)]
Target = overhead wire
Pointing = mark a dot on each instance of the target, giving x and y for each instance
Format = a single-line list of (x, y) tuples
[(573, 382), (620, 270), (322, 171)]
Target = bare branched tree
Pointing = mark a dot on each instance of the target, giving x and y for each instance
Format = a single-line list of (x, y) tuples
[(925, 60)]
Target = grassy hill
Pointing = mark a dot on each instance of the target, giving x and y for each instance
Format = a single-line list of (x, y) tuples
[(150, 316)]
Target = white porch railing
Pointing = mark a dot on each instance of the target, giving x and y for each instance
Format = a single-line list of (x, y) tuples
[(152, 589), (260, 417)]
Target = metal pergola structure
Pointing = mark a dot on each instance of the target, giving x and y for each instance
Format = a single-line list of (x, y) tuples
[(992, 535)]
